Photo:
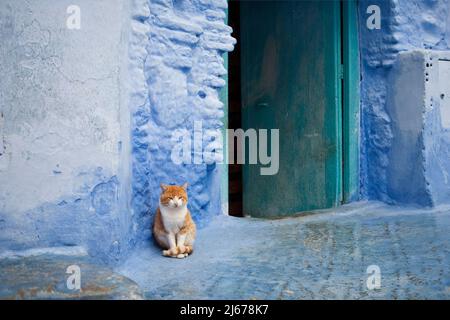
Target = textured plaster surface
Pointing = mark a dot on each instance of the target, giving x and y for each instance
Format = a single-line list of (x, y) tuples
[(405, 25), (63, 127), (417, 108), (320, 256), (87, 117), (179, 47)]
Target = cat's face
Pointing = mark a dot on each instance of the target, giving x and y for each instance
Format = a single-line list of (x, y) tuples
[(173, 196)]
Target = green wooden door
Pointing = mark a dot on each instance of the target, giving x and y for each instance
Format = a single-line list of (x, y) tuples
[(291, 81)]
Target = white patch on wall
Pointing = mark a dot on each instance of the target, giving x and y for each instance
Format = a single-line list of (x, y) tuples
[(444, 92)]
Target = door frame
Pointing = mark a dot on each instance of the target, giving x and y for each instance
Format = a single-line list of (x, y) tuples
[(350, 101)]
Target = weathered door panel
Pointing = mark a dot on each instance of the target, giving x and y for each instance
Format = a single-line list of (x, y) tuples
[(290, 71)]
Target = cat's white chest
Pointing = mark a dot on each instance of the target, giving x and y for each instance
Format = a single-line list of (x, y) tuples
[(173, 218)]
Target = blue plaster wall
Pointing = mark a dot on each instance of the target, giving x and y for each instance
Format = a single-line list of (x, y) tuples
[(64, 127), (419, 163), (87, 118), (179, 47), (406, 25)]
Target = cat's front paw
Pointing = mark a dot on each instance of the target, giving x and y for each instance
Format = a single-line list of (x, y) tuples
[(184, 250), (181, 249), (173, 252)]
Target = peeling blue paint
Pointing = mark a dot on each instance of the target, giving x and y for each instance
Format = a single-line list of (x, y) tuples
[(89, 220)]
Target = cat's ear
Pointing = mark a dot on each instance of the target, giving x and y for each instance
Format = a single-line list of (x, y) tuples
[(163, 187), (185, 185)]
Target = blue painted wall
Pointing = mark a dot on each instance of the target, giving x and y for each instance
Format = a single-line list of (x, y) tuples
[(406, 25), (64, 127), (87, 118), (180, 49)]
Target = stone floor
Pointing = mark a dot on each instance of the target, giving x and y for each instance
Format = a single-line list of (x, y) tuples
[(324, 255), (320, 256)]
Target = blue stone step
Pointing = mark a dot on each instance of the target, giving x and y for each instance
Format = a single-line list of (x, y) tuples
[(45, 277)]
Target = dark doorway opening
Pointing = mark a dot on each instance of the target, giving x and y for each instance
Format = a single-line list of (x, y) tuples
[(235, 207)]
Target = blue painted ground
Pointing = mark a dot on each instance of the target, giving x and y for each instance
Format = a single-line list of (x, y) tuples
[(319, 256)]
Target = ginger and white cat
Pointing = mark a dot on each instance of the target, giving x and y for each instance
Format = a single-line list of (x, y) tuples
[(173, 227)]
